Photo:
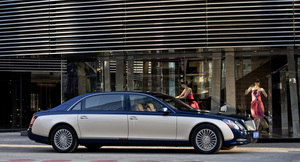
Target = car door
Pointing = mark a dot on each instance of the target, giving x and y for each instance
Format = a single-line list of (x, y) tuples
[(104, 117), (147, 123)]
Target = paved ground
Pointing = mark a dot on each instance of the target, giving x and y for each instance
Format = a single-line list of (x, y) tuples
[(16, 148)]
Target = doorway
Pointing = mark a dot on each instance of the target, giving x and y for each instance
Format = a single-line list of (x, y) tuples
[(15, 110)]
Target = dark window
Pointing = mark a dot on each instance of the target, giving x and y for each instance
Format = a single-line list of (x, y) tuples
[(105, 103), (175, 103), (77, 107), (144, 103)]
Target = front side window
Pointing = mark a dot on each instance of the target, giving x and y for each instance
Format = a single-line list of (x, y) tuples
[(175, 103), (144, 103), (105, 103)]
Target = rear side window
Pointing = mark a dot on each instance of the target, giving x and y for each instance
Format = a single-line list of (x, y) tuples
[(77, 107), (105, 103)]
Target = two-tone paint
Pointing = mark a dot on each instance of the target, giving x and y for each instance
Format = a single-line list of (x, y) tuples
[(170, 128)]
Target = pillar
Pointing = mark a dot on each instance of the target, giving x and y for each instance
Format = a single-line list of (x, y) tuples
[(216, 81), (106, 67), (293, 91), (230, 80), (165, 77), (154, 75), (120, 71), (130, 73), (145, 75), (200, 80), (284, 106), (270, 103), (81, 78)]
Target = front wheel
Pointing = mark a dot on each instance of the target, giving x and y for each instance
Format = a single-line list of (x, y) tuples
[(64, 139), (207, 139)]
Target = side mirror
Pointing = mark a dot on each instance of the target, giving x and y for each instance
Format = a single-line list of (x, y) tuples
[(164, 110)]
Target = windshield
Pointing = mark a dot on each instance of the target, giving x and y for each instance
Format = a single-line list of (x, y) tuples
[(175, 103)]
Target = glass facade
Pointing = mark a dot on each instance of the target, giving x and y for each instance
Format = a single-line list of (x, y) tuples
[(217, 78), (52, 51)]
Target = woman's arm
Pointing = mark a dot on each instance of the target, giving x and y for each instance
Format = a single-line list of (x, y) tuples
[(248, 90), (264, 92), (188, 91), (180, 96)]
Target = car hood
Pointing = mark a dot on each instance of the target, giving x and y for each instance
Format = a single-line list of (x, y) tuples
[(218, 116)]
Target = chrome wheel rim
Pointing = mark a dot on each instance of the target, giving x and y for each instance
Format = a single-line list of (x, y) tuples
[(63, 139), (206, 139)]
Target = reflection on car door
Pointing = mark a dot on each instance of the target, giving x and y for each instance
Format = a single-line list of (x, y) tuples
[(146, 123), (104, 117)]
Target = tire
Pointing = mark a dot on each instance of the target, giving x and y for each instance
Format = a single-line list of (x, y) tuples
[(207, 139), (64, 139)]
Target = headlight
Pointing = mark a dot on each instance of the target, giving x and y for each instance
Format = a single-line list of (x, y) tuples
[(250, 125), (234, 125), (240, 125)]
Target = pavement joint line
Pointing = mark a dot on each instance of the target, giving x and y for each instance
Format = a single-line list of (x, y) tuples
[(238, 149)]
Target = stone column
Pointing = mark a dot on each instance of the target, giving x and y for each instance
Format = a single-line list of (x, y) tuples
[(130, 73), (216, 81), (284, 105), (81, 78), (240, 68), (293, 91), (120, 73), (145, 75), (206, 77), (270, 104), (106, 67), (154, 75), (165, 77), (200, 79), (230, 81)]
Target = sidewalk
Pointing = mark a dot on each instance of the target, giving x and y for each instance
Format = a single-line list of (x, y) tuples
[(17, 138), (14, 147)]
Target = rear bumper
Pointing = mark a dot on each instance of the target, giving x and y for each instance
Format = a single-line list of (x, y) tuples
[(37, 138)]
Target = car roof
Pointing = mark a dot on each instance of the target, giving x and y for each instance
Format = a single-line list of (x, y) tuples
[(72, 101)]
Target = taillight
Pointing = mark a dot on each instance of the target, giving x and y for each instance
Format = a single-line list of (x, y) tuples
[(32, 121)]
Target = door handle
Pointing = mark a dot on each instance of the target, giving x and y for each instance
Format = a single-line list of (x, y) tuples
[(133, 118), (83, 117)]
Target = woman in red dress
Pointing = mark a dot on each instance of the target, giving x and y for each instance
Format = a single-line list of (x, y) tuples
[(188, 95), (257, 107)]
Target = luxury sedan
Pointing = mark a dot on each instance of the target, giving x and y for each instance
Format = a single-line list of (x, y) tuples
[(137, 119)]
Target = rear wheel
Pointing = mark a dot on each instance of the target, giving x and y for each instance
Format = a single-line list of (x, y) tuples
[(207, 139), (64, 139)]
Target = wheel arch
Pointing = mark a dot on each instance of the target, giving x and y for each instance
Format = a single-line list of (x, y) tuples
[(60, 124), (203, 123)]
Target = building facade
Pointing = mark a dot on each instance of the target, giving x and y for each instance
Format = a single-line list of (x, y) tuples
[(54, 50)]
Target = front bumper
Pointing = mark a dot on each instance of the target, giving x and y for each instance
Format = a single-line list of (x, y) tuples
[(241, 138)]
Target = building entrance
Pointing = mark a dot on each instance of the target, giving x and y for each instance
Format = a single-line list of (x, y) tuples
[(15, 100)]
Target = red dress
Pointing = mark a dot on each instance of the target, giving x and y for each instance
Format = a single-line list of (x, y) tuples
[(257, 107), (194, 104)]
